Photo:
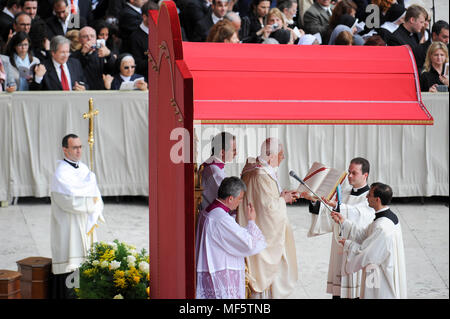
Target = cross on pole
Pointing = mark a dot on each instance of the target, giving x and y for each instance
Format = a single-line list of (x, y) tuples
[(90, 115)]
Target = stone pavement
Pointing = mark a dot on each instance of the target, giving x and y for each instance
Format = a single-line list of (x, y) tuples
[(25, 232)]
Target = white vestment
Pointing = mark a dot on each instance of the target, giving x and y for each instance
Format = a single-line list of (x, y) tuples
[(212, 175), (273, 272), (356, 209), (221, 245), (378, 250), (76, 208)]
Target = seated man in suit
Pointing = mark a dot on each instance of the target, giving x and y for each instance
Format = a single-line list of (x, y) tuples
[(219, 9), (59, 72), (317, 17), (129, 20), (63, 20)]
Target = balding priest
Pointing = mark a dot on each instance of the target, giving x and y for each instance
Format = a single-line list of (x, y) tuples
[(77, 207)]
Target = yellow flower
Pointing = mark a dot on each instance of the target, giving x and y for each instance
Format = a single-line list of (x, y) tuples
[(133, 275), (119, 279), (108, 255), (89, 272)]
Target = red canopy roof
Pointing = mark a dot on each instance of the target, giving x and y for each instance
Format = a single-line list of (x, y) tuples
[(292, 84)]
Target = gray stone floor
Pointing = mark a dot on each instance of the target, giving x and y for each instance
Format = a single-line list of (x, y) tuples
[(25, 227)]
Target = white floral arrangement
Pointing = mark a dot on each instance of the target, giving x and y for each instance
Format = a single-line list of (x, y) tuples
[(114, 271)]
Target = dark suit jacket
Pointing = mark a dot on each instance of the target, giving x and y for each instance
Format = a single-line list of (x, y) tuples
[(94, 68), (115, 84), (316, 20), (129, 21), (51, 81), (54, 27), (193, 12), (402, 36), (138, 47), (202, 28), (6, 23)]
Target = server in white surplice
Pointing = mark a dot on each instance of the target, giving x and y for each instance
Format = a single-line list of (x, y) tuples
[(376, 249), (76, 207), (355, 208)]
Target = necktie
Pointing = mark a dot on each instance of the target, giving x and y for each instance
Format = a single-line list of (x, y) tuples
[(73, 10), (64, 82)]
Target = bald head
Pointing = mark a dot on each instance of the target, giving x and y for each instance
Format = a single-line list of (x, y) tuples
[(88, 35)]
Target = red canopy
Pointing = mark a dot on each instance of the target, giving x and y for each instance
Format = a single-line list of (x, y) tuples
[(292, 84), (245, 83)]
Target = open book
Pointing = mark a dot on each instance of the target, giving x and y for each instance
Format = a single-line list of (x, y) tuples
[(322, 180), (129, 85)]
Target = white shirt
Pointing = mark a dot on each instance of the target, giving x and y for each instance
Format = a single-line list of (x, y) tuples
[(144, 28), (5, 10), (66, 72), (137, 9), (215, 18), (328, 9), (125, 78)]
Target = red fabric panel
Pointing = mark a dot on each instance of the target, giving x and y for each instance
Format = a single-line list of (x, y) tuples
[(296, 58), (304, 86), (335, 113)]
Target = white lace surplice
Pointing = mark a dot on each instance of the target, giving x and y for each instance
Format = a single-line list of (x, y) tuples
[(221, 246)]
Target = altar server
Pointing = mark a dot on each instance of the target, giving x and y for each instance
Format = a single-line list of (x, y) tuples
[(377, 249), (355, 208), (221, 244), (76, 207), (223, 149)]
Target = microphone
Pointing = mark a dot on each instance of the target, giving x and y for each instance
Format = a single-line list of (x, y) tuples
[(292, 174)]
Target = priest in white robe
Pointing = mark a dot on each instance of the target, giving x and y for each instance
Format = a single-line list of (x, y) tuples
[(221, 244), (272, 273), (376, 249), (76, 207), (223, 149), (355, 208)]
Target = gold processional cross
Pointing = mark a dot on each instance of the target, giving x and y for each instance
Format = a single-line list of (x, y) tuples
[(90, 115)]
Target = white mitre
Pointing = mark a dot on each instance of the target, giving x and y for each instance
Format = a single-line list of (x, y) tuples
[(74, 182)]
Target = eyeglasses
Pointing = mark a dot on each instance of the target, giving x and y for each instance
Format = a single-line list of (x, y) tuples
[(130, 66), (23, 45)]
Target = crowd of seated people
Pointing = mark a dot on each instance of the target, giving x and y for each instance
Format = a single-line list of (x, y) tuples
[(104, 34)]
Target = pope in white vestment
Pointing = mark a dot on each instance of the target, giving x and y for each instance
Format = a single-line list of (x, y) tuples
[(77, 207), (221, 245), (377, 250), (272, 273)]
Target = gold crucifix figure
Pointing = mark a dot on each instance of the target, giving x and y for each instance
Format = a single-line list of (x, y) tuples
[(90, 115)]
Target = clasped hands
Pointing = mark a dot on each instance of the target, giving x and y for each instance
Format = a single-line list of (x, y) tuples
[(290, 196)]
